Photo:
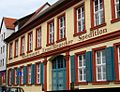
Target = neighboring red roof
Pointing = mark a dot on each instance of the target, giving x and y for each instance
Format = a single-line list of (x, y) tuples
[(9, 23)]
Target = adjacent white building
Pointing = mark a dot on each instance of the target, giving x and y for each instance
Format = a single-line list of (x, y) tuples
[(6, 29)]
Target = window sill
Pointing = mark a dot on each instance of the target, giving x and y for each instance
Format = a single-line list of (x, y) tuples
[(28, 84), (21, 84), (15, 56), (29, 51), (115, 20), (81, 83), (37, 48), (100, 82), (60, 40), (22, 54), (80, 33), (98, 26), (48, 44), (37, 84), (10, 58), (117, 82)]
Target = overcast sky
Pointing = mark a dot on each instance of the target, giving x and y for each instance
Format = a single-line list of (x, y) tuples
[(20, 8)]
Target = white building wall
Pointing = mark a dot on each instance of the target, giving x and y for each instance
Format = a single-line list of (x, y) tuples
[(3, 35)]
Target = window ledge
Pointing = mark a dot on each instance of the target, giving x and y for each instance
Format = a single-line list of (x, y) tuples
[(38, 48), (60, 40), (80, 33), (100, 82), (98, 26), (22, 54), (81, 83), (48, 44), (115, 20), (29, 51), (117, 82)]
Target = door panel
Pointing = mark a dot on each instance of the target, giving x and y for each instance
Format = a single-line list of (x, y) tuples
[(59, 73)]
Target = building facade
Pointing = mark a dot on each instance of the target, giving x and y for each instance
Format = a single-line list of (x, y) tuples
[(7, 28), (73, 44)]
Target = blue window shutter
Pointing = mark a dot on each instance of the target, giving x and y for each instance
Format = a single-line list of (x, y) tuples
[(12, 76), (32, 73), (72, 64), (89, 66), (109, 52), (18, 77), (24, 74), (42, 73)]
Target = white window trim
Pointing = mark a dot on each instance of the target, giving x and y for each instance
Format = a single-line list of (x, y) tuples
[(83, 67), (16, 48), (23, 45), (100, 65), (81, 19), (99, 20), (39, 38), (51, 32), (30, 42), (15, 77), (22, 76), (38, 73), (29, 75), (62, 28)]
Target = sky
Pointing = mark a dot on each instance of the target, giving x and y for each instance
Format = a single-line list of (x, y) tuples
[(20, 8)]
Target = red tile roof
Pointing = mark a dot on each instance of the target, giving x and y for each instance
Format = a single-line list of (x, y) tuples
[(9, 23)]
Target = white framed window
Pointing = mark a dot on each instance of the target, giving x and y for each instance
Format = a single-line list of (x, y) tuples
[(10, 51), (38, 73), (51, 32), (10, 77), (81, 68), (30, 42), (16, 48), (62, 27), (23, 45), (39, 38), (15, 74), (119, 60), (29, 74), (98, 12), (100, 65), (22, 75), (117, 8), (80, 19)]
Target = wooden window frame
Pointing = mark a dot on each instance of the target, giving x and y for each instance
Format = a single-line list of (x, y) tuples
[(36, 45), (58, 28), (21, 83), (92, 16), (11, 50), (117, 79), (94, 66), (22, 53), (48, 31), (29, 66), (28, 47), (16, 54), (114, 19), (77, 82), (75, 20), (36, 66)]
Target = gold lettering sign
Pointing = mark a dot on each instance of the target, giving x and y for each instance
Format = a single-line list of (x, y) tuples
[(56, 46), (92, 34)]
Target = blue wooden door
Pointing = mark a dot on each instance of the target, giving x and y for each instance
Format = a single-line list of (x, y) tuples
[(59, 73)]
